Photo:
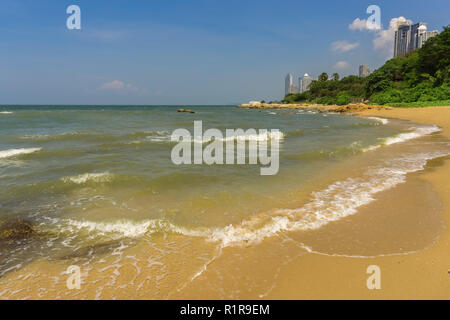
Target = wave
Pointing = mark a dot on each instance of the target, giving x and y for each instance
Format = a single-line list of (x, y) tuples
[(267, 136), (73, 135), (17, 152), (382, 120), (6, 112), (403, 137), (417, 133), (89, 177), (339, 200)]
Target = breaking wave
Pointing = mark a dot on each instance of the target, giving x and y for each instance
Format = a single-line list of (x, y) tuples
[(16, 152), (89, 177), (339, 200)]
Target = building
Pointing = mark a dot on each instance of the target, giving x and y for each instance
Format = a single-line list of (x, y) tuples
[(290, 88), (402, 39), (364, 71), (305, 83), (409, 38), (418, 35)]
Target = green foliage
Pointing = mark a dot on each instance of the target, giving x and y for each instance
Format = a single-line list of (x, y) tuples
[(422, 76), (342, 99), (323, 77), (434, 57), (420, 104)]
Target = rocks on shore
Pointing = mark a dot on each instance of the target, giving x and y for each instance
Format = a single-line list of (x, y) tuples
[(357, 107), (186, 110)]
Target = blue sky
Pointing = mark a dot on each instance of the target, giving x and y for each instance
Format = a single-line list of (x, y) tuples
[(187, 52)]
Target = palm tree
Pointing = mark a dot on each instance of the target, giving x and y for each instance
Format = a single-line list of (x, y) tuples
[(323, 77), (336, 76)]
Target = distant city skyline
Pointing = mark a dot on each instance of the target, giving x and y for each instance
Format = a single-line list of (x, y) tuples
[(187, 53)]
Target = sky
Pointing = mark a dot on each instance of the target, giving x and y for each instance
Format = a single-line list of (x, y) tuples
[(188, 52)]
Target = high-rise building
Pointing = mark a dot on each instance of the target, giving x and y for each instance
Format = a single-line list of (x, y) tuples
[(402, 39), (409, 38), (290, 88), (418, 33), (288, 83), (305, 83), (364, 71)]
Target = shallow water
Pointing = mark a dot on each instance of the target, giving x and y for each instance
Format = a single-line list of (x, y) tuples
[(98, 186)]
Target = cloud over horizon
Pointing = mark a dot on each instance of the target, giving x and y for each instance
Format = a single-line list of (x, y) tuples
[(117, 85)]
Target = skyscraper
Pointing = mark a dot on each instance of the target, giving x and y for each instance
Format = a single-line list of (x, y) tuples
[(364, 71), (402, 39), (418, 33), (290, 88), (305, 82), (409, 38), (288, 83)]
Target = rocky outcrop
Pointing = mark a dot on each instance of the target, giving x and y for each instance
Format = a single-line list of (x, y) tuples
[(351, 108), (186, 110)]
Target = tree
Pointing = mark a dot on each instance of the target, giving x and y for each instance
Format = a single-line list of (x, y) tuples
[(336, 76), (434, 56), (323, 77)]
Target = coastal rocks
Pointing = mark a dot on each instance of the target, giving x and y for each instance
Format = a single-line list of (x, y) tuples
[(186, 110), (351, 108)]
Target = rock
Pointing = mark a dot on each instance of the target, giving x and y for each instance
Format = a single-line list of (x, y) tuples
[(16, 229), (186, 110)]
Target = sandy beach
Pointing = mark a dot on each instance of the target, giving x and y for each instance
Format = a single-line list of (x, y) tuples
[(421, 275), (282, 266)]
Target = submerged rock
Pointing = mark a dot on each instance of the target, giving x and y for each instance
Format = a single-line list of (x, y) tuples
[(16, 229)]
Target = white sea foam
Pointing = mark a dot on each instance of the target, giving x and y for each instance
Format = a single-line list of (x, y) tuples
[(117, 229), (262, 136), (339, 200), (6, 112), (371, 148), (417, 133), (403, 137), (86, 177), (382, 120), (275, 135), (15, 152)]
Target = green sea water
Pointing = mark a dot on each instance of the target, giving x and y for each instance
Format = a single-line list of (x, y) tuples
[(88, 175)]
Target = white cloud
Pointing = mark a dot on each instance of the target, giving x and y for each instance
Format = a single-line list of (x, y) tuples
[(118, 85), (115, 85), (358, 24), (343, 46), (342, 65), (384, 38)]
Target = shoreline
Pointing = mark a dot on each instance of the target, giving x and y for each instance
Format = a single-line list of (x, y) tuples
[(420, 275), (350, 108), (284, 266)]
